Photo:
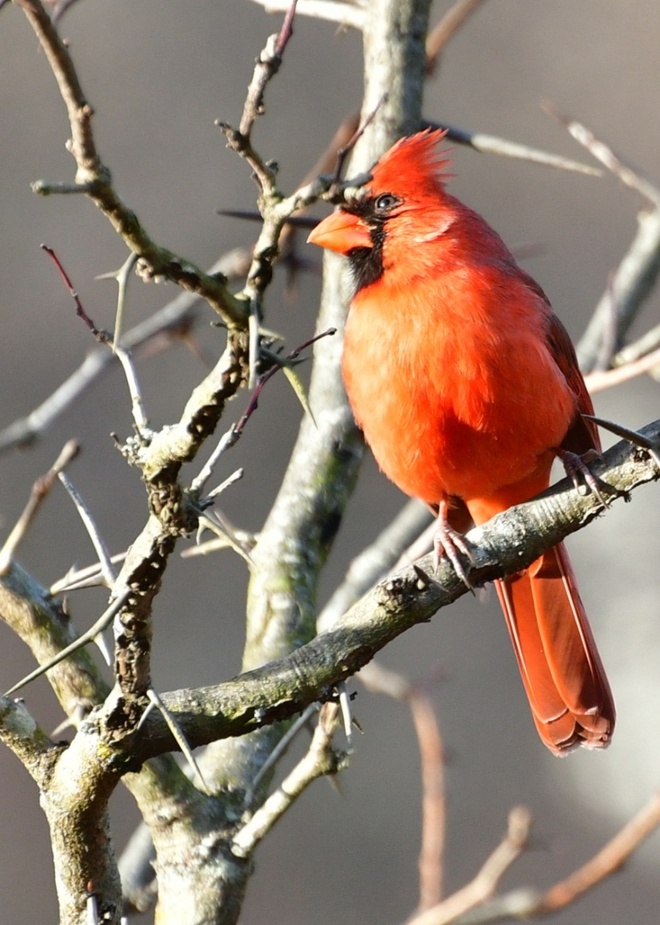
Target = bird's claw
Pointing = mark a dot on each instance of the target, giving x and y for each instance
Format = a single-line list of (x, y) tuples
[(453, 545), (582, 477)]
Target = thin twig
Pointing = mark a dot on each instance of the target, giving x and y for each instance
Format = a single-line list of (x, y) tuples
[(91, 576), (179, 738), (448, 26), (137, 405), (279, 751), (107, 568), (492, 144), (599, 380), (89, 635), (38, 494), (213, 522), (320, 759), (486, 881), (95, 178), (602, 152)]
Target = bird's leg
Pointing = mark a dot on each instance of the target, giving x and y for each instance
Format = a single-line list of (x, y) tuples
[(581, 475), (452, 544)]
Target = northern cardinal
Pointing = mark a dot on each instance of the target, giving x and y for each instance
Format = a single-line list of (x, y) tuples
[(466, 386)]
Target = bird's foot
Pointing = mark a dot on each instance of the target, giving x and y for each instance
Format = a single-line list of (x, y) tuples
[(578, 471), (452, 544)]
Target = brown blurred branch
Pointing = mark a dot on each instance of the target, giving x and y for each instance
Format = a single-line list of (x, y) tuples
[(486, 881), (529, 903), (455, 17)]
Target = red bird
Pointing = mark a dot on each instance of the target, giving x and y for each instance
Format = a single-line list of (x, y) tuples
[(466, 386)]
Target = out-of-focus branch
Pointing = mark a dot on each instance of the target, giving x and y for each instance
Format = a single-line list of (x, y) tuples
[(485, 883), (637, 273), (455, 17), (631, 284), (599, 380), (381, 680), (530, 903), (40, 491)]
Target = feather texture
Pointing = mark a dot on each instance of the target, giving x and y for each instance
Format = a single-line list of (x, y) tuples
[(466, 386)]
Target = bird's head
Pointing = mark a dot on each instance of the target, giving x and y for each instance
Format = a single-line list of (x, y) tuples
[(402, 205)]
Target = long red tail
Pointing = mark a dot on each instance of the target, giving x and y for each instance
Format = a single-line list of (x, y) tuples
[(560, 666)]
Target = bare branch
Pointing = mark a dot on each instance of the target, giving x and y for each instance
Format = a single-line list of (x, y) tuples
[(95, 179), (492, 144), (455, 17), (529, 903), (631, 284), (485, 883), (321, 759), (602, 152), (40, 491)]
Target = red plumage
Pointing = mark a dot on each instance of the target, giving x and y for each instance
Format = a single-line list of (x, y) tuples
[(466, 386)]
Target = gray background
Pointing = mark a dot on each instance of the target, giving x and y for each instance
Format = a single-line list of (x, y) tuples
[(158, 74)]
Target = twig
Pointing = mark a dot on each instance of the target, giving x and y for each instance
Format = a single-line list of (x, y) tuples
[(492, 144), (631, 284), (122, 275), (236, 431), (378, 679), (137, 405), (89, 635), (91, 576), (101, 336), (320, 759), (213, 522), (344, 14), (95, 178), (486, 881), (179, 738), (279, 751), (107, 568), (176, 315), (602, 152), (39, 492), (530, 903), (448, 26), (432, 848), (608, 860), (599, 380)]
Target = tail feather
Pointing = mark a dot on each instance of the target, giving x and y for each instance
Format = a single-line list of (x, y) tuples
[(560, 666)]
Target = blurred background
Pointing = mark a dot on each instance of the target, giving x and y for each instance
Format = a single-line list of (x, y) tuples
[(158, 74)]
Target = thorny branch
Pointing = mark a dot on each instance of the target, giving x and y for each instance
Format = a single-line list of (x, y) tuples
[(94, 179)]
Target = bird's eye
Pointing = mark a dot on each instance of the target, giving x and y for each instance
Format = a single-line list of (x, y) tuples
[(386, 202)]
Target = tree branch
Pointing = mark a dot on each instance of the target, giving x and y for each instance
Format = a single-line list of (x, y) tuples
[(282, 688)]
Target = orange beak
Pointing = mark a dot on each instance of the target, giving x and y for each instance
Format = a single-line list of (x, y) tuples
[(341, 232)]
